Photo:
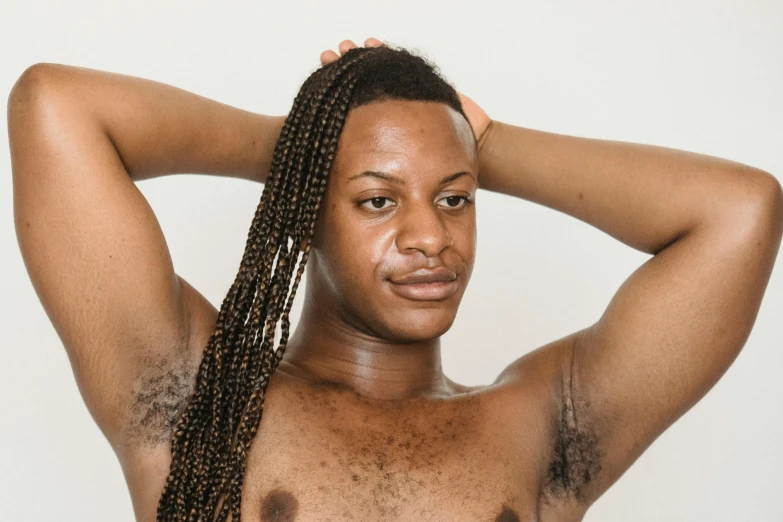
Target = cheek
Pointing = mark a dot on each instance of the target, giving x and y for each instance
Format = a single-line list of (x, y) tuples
[(355, 250), (377, 246), (364, 252), (465, 239)]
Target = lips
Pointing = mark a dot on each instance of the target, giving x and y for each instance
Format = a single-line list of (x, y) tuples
[(426, 275), (426, 284)]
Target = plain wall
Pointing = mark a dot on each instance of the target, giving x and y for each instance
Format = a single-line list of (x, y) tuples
[(703, 76)]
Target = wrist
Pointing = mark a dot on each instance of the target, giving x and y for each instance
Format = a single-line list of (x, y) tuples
[(484, 145), (485, 135)]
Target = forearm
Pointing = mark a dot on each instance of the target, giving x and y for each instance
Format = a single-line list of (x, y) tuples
[(158, 129), (645, 196)]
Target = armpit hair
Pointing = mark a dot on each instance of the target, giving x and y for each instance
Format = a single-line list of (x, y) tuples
[(577, 453), (158, 397)]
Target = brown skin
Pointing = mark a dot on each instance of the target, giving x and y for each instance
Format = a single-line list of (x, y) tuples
[(97, 258), (354, 330), (354, 327)]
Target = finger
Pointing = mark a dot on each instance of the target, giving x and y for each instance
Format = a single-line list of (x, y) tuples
[(328, 56), (373, 42), (345, 45)]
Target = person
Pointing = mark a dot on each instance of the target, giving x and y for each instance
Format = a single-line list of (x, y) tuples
[(372, 177)]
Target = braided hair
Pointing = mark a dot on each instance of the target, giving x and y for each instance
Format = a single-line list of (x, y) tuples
[(212, 436)]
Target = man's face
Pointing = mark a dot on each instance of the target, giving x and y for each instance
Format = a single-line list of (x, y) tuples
[(372, 232)]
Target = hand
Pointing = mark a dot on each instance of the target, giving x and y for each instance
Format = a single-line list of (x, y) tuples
[(477, 118)]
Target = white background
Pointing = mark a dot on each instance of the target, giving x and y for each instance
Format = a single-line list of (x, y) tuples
[(704, 76)]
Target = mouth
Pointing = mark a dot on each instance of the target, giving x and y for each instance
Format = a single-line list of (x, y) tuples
[(433, 291)]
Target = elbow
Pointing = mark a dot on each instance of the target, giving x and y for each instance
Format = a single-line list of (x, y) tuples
[(771, 191), (36, 85), (756, 187), (772, 199), (750, 208), (38, 104), (27, 85), (767, 200), (759, 210), (24, 103)]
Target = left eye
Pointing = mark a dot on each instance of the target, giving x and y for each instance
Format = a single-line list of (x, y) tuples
[(377, 202), (455, 200)]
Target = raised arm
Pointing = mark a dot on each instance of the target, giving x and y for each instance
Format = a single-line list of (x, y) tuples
[(158, 129), (678, 322), (93, 248)]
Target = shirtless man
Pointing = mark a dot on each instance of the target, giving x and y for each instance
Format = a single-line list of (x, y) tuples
[(367, 427)]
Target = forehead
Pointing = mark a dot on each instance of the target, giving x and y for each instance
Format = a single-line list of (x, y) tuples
[(400, 134)]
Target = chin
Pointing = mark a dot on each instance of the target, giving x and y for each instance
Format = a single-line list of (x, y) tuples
[(419, 325)]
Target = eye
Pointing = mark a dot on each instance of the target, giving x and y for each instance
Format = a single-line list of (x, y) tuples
[(454, 201), (376, 202)]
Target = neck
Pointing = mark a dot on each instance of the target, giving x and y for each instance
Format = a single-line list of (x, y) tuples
[(326, 348)]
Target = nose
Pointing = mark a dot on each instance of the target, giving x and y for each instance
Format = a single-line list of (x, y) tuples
[(423, 228)]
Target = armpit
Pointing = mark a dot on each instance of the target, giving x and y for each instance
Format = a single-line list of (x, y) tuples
[(157, 399), (577, 453)]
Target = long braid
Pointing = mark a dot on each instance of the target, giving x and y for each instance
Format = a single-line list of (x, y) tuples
[(218, 452), (260, 306), (208, 424), (283, 273), (209, 378), (270, 230), (272, 359), (285, 268), (212, 436)]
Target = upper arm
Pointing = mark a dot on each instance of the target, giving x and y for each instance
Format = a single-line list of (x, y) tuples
[(93, 248), (671, 331)]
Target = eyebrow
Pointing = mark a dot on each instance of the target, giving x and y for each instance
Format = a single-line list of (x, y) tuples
[(399, 181)]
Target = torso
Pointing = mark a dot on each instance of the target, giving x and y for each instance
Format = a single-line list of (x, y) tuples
[(325, 453), (328, 454)]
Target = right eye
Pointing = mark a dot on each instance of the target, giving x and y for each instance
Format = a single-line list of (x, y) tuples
[(377, 203)]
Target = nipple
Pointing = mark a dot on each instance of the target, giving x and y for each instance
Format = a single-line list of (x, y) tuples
[(279, 505), (507, 515)]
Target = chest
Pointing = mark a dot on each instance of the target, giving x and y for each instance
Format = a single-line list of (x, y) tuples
[(321, 455)]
